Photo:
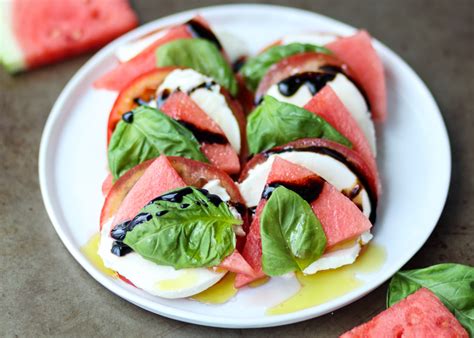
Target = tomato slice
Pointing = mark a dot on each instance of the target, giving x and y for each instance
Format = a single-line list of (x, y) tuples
[(295, 64), (143, 87)]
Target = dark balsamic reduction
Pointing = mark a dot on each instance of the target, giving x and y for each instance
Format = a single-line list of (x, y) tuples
[(198, 30), (128, 117), (206, 85), (309, 190), (341, 158), (315, 81), (140, 102), (120, 249), (237, 65), (162, 97), (204, 136)]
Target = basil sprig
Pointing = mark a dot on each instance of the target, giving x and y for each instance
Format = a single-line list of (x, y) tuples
[(274, 123), (200, 55), (292, 236), (148, 134), (452, 283), (255, 68), (192, 231)]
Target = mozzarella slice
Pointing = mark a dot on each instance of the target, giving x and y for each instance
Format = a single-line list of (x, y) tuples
[(128, 51), (319, 39), (347, 93), (158, 280), (209, 99), (232, 44), (338, 258), (332, 170)]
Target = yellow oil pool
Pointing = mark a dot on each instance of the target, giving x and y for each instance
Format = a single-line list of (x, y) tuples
[(90, 251), (186, 279), (220, 292), (327, 285)]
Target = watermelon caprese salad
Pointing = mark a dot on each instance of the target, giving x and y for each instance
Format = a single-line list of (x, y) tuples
[(257, 167), (260, 166)]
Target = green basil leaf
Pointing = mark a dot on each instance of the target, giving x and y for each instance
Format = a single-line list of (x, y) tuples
[(193, 232), (200, 55), (150, 134), (452, 283), (255, 68), (274, 123), (292, 236)]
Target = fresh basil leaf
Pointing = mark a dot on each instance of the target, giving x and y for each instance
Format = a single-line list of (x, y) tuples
[(274, 123), (200, 55), (292, 236), (149, 134), (255, 68), (193, 231), (452, 283)]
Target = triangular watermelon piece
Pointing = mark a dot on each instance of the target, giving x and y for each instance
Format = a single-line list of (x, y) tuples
[(236, 263), (42, 32), (340, 218), (118, 78), (367, 69), (420, 315), (158, 178), (181, 107), (327, 104), (222, 156)]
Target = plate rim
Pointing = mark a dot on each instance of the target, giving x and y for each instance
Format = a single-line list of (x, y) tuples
[(225, 322)]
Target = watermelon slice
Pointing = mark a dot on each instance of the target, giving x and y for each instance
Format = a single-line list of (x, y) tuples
[(327, 104), (181, 107), (420, 315), (339, 216), (119, 77), (35, 33), (236, 263), (367, 69), (157, 179)]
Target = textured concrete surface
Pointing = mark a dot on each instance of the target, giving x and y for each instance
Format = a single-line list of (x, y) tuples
[(45, 292)]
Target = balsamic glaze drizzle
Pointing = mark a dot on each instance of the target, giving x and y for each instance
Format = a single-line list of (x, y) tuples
[(204, 136), (308, 190), (198, 30), (128, 116), (314, 81)]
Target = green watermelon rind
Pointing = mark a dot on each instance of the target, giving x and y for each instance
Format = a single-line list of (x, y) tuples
[(11, 55)]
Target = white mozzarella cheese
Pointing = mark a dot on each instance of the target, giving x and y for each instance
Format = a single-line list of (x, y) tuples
[(158, 280), (232, 44), (129, 50), (210, 100), (338, 258), (332, 170)]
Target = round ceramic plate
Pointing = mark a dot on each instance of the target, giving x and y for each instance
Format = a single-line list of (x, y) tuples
[(413, 156)]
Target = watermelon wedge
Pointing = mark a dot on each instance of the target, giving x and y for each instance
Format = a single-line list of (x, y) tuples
[(35, 33), (236, 263), (119, 77), (181, 107), (359, 54), (327, 104), (157, 179), (339, 216), (420, 315)]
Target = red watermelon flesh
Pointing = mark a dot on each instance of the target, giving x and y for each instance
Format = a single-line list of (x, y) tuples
[(157, 179), (327, 104), (222, 156), (340, 218), (118, 78), (181, 107), (420, 315), (367, 69), (252, 251), (236, 263), (107, 184), (48, 31)]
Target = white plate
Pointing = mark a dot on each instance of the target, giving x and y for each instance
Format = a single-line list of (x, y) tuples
[(414, 159)]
